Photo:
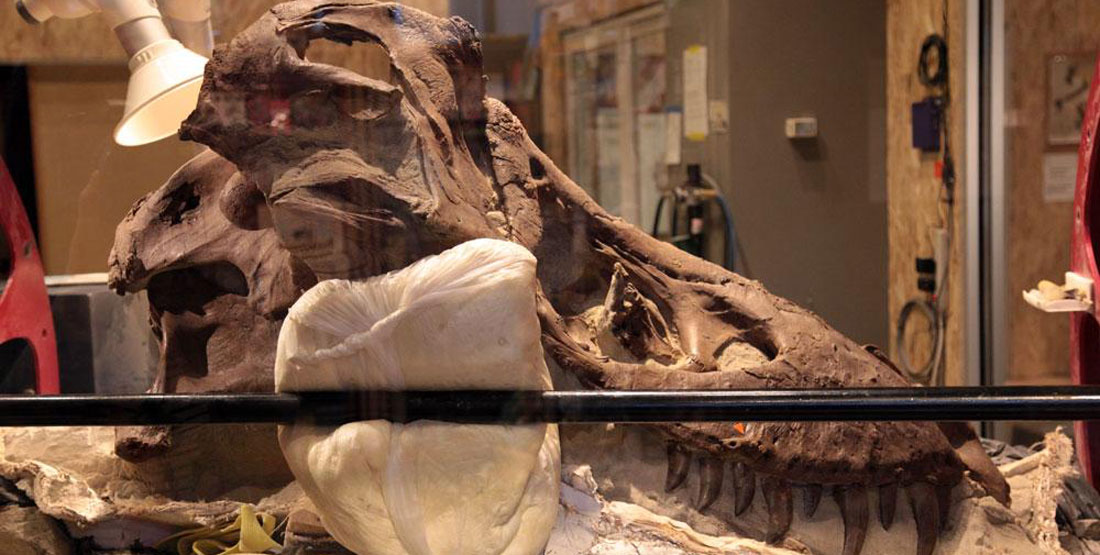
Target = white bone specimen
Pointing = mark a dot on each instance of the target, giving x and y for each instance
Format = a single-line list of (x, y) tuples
[(464, 319)]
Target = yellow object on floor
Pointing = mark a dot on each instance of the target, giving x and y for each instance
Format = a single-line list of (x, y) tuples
[(250, 533)]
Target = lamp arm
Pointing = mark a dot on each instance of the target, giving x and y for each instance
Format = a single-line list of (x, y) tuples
[(117, 12), (189, 22)]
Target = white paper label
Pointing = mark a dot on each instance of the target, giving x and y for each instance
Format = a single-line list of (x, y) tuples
[(695, 93), (719, 117), (1059, 176), (673, 128)]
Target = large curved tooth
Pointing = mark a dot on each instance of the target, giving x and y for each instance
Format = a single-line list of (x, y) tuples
[(887, 503), (943, 503), (711, 472), (744, 487), (852, 501), (780, 502), (926, 513), (679, 462), (811, 497)]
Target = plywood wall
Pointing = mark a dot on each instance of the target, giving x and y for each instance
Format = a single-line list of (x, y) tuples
[(1038, 232), (85, 183), (912, 186)]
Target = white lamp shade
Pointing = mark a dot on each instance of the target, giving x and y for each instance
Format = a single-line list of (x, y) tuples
[(164, 87)]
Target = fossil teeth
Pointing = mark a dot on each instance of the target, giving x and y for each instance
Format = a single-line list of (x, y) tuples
[(982, 470), (926, 513), (679, 462), (943, 503), (852, 501), (710, 482), (887, 503), (811, 497), (777, 496), (744, 487)]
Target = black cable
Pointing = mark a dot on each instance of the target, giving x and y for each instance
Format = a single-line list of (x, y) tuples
[(731, 234), (927, 373), (933, 43), (727, 217), (674, 219), (730, 255), (657, 215)]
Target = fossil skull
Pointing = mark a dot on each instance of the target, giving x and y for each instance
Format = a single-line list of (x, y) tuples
[(346, 176)]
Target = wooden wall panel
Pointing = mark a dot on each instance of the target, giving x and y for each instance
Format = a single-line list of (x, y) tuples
[(912, 186), (1038, 232), (85, 182)]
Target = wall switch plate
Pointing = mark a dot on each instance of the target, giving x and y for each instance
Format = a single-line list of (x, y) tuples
[(801, 127)]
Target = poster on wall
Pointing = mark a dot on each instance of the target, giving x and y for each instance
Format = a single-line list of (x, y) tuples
[(1068, 77), (1059, 176)]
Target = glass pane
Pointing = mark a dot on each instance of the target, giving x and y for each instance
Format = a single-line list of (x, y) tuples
[(1047, 72), (648, 84), (594, 124), (395, 213)]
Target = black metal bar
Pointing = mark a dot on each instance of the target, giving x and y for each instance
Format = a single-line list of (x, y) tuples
[(985, 209), (495, 407)]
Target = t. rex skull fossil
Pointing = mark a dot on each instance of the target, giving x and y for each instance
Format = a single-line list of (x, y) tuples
[(346, 176)]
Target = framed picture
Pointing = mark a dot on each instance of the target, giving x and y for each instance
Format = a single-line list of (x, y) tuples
[(1068, 78)]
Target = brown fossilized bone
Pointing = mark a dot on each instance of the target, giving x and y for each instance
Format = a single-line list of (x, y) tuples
[(218, 285), (357, 175)]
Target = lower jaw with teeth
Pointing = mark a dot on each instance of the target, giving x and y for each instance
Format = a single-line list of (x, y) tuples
[(721, 497)]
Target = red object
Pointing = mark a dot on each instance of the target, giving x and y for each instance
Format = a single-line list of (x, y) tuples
[(24, 304), (1084, 332)]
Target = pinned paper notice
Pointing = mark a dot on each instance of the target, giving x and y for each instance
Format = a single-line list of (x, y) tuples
[(673, 125), (1059, 176), (695, 93)]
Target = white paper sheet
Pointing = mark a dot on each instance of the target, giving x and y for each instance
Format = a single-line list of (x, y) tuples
[(673, 130), (695, 93), (1059, 176)]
